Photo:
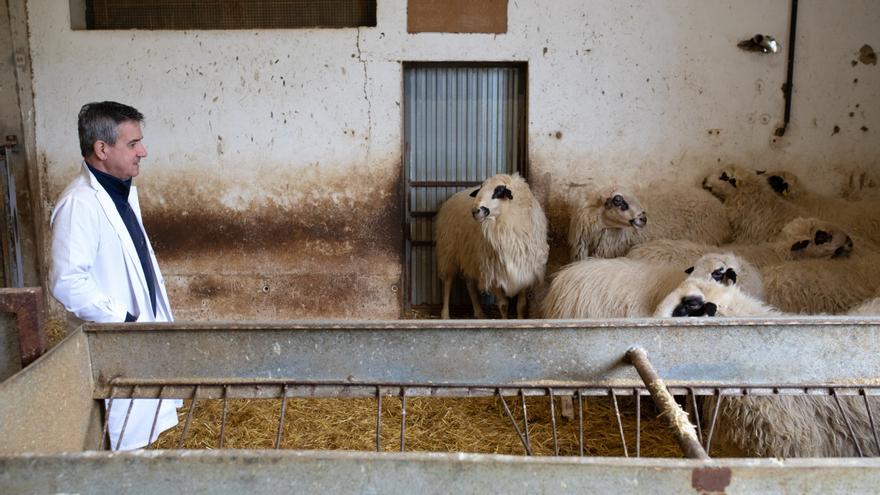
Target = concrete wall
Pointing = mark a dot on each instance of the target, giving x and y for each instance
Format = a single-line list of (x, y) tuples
[(272, 189)]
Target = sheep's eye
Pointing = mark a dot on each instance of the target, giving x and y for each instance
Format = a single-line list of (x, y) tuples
[(502, 192), (822, 237), (800, 245), (724, 176), (718, 275), (732, 182)]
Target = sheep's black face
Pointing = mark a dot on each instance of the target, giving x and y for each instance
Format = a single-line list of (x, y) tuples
[(720, 184), (621, 212), (694, 306), (821, 240)]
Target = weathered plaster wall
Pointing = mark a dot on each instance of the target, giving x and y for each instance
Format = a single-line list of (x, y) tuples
[(272, 188)]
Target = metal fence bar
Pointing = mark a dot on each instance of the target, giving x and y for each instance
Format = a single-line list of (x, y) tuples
[(281, 417), (125, 421), (871, 419), (105, 430), (638, 422), (189, 414), (525, 419), (848, 423), (156, 417), (519, 433), (553, 422), (580, 403), (378, 419), (223, 419), (619, 422), (714, 420), (403, 419), (696, 407)]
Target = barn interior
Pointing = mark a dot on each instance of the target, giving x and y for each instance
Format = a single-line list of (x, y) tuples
[(298, 154)]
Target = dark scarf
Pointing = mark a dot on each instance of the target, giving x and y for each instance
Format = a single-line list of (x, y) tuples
[(118, 190)]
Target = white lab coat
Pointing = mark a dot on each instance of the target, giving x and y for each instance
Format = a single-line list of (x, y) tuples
[(97, 275)]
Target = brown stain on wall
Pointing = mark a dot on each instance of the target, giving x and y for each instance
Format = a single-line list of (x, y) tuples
[(318, 257)]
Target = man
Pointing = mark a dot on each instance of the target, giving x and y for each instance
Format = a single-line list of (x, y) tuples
[(103, 267)]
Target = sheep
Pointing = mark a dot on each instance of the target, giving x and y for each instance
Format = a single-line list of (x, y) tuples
[(755, 212), (860, 217), (496, 237), (608, 224), (822, 286), (622, 287), (697, 297), (781, 426), (802, 238)]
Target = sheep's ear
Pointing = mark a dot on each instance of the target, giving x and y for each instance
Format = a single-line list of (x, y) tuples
[(800, 245), (689, 270), (778, 184), (474, 193), (710, 308)]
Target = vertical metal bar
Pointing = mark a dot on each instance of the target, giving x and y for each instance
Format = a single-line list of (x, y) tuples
[(281, 416), (553, 422), (619, 422), (638, 422), (848, 423), (127, 415), (871, 419), (684, 431), (580, 424), (525, 419), (378, 419), (522, 438), (14, 265), (714, 420), (156, 415), (696, 413), (189, 414), (403, 419), (223, 419), (105, 434)]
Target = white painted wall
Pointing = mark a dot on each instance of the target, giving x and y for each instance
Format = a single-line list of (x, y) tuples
[(263, 118)]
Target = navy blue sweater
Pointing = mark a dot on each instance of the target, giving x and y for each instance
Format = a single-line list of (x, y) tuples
[(118, 190)]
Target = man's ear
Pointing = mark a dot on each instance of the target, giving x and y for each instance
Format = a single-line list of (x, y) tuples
[(99, 149)]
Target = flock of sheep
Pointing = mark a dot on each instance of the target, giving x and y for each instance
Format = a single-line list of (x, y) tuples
[(746, 243)]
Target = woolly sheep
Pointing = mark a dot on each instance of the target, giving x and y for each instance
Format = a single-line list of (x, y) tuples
[(626, 288), (755, 212), (781, 426), (802, 238), (496, 238), (608, 224), (822, 286), (859, 217)]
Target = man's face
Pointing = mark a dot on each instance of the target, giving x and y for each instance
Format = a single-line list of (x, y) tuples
[(122, 160)]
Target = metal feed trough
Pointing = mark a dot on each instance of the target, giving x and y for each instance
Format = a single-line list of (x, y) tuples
[(52, 434)]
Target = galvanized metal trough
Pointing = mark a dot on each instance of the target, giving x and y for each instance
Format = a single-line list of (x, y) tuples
[(51, 432)]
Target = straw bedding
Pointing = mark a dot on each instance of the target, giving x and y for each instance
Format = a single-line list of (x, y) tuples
[(477, 425)]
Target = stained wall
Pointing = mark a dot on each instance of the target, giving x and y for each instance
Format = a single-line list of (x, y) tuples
[(272, 188)]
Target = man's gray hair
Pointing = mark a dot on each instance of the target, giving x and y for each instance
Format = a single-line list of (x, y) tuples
[(98, 122)]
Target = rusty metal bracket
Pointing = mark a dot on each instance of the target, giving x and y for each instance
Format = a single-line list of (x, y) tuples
[(27, 306)]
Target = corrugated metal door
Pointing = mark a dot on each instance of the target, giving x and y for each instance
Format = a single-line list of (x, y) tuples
[(463, 123)]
